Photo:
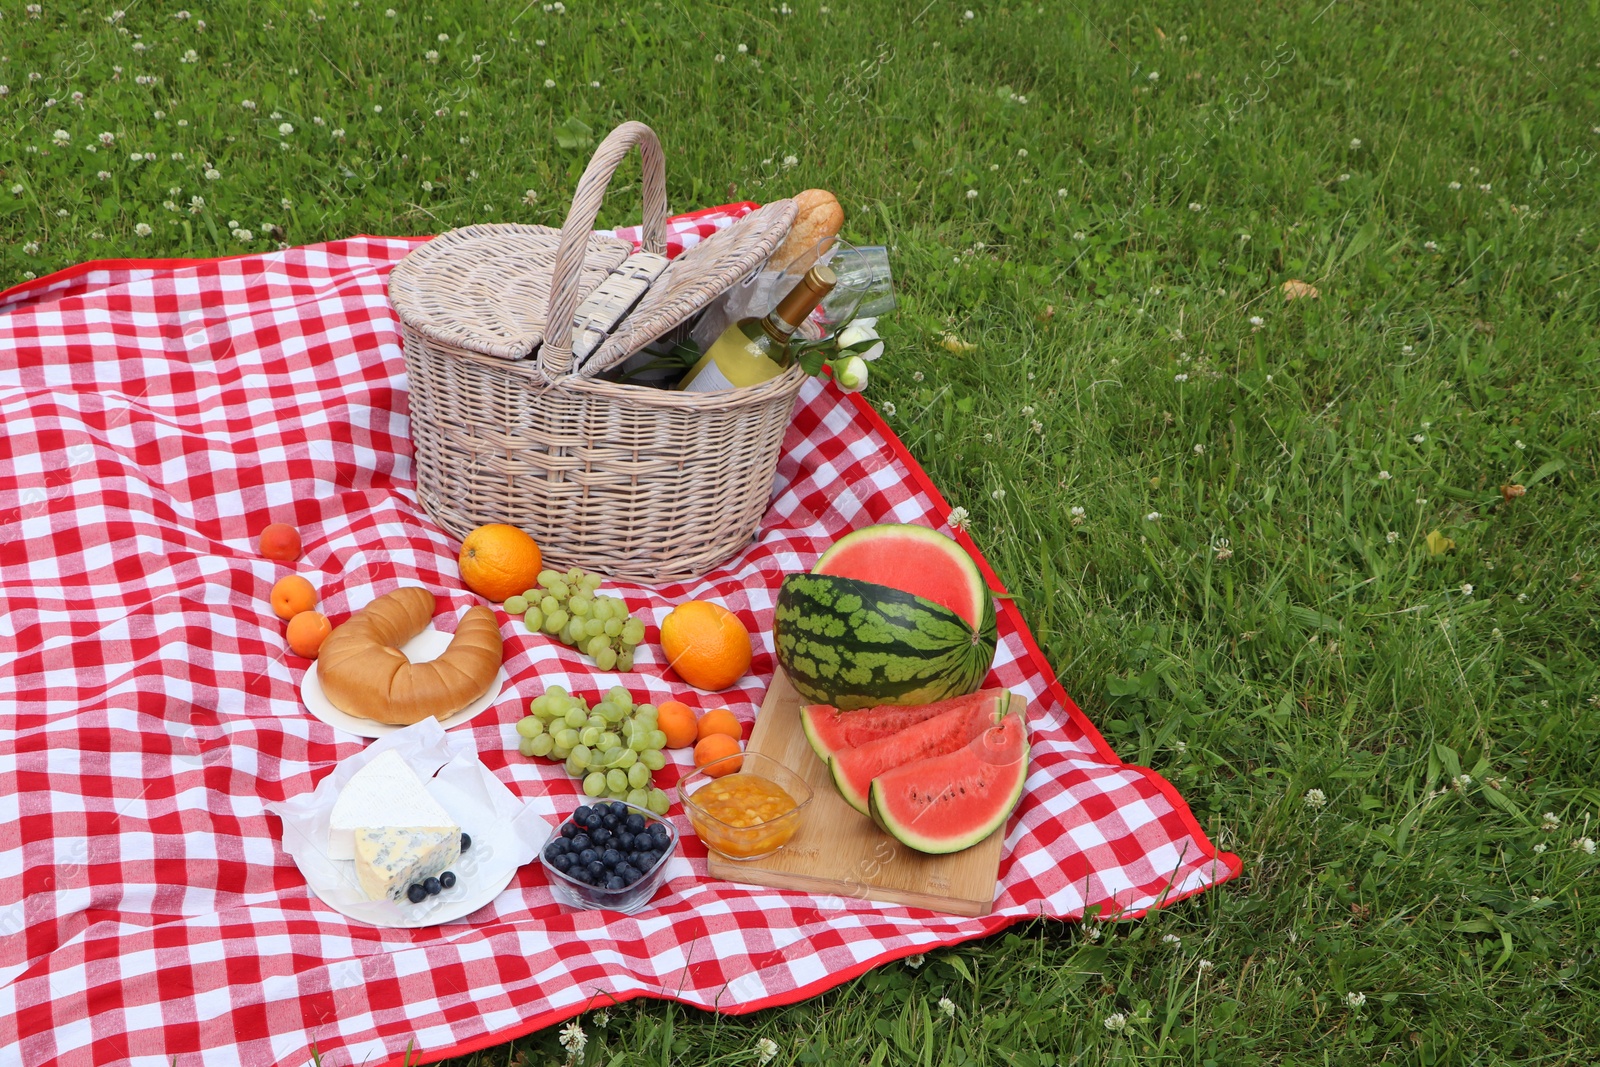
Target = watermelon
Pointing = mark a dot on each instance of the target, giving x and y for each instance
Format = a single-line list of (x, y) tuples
[(912, 559), (951, 802), (829, 729), (854, 768), (856, 644)]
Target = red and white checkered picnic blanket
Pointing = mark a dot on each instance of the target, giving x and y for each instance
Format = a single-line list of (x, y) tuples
[(154, 416)]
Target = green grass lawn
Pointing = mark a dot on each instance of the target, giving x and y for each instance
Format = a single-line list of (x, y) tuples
[(1296, 586)]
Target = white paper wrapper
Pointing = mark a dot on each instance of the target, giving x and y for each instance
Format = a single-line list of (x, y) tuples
[(506, 831)]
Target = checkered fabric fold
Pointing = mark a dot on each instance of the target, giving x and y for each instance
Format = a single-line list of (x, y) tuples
[(154, 416)]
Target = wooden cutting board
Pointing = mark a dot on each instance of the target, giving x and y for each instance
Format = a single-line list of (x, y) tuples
[(839, 852)]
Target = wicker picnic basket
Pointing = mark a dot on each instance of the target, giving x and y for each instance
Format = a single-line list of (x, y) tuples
[(638, 483)]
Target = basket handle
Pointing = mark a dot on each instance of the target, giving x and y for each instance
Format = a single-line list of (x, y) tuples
[(555, 356)]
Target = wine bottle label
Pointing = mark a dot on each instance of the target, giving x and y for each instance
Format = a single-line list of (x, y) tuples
[(709, 380)]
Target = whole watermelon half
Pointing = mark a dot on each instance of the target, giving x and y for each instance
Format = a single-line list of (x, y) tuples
[(857, 644)]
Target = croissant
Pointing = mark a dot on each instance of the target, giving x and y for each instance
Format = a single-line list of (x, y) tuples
[(364, 673)]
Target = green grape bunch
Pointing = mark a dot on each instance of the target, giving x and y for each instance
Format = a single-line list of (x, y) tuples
[(568, 608), (614, 747)]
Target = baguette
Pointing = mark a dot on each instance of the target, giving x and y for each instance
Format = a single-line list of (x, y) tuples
[(364, 673), (817, 219)]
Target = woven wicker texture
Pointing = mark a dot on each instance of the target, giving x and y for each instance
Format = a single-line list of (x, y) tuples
[(487, 288), (637, 483)]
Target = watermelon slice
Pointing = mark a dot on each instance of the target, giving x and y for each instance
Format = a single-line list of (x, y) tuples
[(915, 560), (951, 802), (829, 729), (855, 768)]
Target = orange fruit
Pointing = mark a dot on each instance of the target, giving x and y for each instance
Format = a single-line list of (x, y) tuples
[(676, 719), (720, 721), (306, 632), (715, 747), (706, 644), (499, 561), (280, 541), (292, 595)]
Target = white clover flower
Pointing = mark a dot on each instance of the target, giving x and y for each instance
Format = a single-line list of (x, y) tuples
[(1454, 186), (1116, 1021), (248, 105), (1078, 515), (1061, 192), (958, 519), (143, 229), (169, 205), (998, 494), (968, 15), (196, 204), (742, 49), (719, 58), (917, 376), (1172, 939), (994, 166), (1538, 850), (972, 194), (390, 13), (1078, 235), (443, 37), (888, 408), (766, 1051), (377, 109), (61, 137), (1586, 844), (1406, 350), (31, 248), (244, 235), (212, 174), (1418, 438), (1355, 142), (549, 83), (1466, 589), (431, 55), (1315, 798), (233, 224), (1154, 516), (790, 161), (286, 203), (1154, 75), (1180, 377), (189, 56), (947, 1006), (1550, 821), (1203, 966), (136, 157), (1496, 634), (1384, 476), (1344, 177), (1355, 1000), (5, 90), (285, 129), (1257, 321), (1463, 780), (1518, 445), (594, 85), (181, 16), (17, 189), (1244, 238), (1431, 246), (573, 1039), (337, 135), (1195, 206)]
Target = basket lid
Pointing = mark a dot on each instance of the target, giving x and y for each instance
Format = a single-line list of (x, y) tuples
[(486, 288), (698, 276)]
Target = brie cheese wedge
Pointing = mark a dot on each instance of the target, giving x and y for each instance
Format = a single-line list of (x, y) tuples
[(384, 794)]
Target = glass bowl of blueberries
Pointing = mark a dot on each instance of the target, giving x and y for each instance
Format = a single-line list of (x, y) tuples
[(611, 855)]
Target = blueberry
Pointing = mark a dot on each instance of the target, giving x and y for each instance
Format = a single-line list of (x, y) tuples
[(466, 841), (568, 830), (627, 873), (596, 870), (635, 823), (659, 829), (447, 879), (588, 856), (431, 885), (562, 862), (600, 835), (551, 852), (615, 883), (580, 842), (610, 857), (625, 841), (416, 894), (581, 816)]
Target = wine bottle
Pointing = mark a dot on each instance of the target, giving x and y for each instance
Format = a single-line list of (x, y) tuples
[(753, 350)]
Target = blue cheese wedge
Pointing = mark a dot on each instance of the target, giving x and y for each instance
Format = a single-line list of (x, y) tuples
[(384, 793), (391, 859)]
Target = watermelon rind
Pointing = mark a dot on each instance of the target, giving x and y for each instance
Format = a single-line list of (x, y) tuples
[(908, 544), (1001, 791), (852, 769), (825, 725), (855, 644)]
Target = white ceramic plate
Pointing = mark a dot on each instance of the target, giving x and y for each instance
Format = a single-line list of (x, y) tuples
[(506, 832), (428, 645)]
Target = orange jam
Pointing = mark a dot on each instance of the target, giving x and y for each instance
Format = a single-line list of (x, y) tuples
[(749, 815)]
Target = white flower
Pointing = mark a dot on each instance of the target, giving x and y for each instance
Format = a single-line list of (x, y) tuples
[(998, 494), (212, 174), (143, 229), (857, 332), (720, 58), (1257, 321), (248, 105), (1518, 445), (478, 58), (947, 1006), (17, 189), (1078, 514), (431, 55), (443, 37), (851, 374), (189, 56), (958, 519), (5, 90), (390, 13), (377, 109), (1203, 966), (1315, 798), (1455, 185), (183, 122), (889, 408), (1431, 246), (111, 138), (1036, 426), (196, 204), (917, 376), (285, 128), (1180, 377), (1485, 187), (766, 1051), (972, 194), (1154, 516), (1384, 476), (1116, 1021), (34, 10), (244, 235), (1418, 438), (549, 83), (1195, 206), (1550, 821), (1244, 237), (1199, 450), (31, 248), (1466, 588), (994, 166), (286, 203), (1154, 75), (1172, 939), (337, 135), (1355, 1000), (1355, 142), (742, 49), (573, 1039), (790, 161), (61, 136), (1463, 780), (427, 187), (1585, 843), (1078, 235), (181, 16), (1538, 850)]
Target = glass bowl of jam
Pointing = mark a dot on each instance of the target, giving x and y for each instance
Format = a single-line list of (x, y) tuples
[(744, 806)]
